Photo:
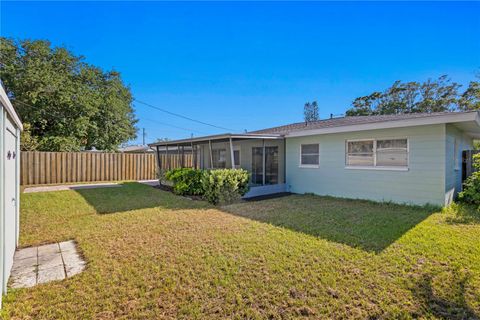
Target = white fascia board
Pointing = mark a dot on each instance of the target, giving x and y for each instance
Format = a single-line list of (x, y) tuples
[(448, 118), (9, 107)]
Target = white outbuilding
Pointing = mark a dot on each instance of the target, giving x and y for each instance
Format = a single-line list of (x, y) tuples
[(10, 128)]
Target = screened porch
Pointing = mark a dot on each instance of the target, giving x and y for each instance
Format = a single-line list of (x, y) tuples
[(261, 155)]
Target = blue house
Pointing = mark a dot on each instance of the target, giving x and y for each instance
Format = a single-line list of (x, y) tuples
[(407, 158)]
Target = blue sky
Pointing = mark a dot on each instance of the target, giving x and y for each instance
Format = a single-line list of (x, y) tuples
[(253, 65)]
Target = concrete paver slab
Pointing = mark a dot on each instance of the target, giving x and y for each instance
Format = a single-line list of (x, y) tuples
[(24, 280), (46, 263), (24, 263), (48, 249), (26, 253), (51, 274)]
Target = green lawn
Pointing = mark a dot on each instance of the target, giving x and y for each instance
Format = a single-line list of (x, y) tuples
[(151, 254)]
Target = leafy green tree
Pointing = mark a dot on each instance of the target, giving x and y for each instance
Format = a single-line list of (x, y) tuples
[(439, 95), (310, 111), (69, 105), (470, 99)]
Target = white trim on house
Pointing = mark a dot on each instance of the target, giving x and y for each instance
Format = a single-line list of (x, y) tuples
[(9, 107), (441, 119)]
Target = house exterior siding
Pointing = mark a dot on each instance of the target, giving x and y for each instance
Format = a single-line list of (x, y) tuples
[(453, 163), (422, 183)]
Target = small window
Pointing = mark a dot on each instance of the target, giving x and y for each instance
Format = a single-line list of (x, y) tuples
[(219, 157), (236, 158), (309, 155)]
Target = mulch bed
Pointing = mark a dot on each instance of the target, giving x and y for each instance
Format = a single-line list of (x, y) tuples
[(170, 189)]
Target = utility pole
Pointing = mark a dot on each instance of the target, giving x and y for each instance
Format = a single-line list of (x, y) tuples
[(143, 136)]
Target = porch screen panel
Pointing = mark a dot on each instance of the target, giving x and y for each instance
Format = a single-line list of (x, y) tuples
[(257, 167), (219, 157), (271, 165)]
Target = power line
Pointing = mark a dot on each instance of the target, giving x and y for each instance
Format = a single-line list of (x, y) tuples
[(173, 126), (154, 121), (183, 117)]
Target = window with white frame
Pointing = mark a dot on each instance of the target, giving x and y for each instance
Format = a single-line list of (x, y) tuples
[(309, 155), (382, 153)]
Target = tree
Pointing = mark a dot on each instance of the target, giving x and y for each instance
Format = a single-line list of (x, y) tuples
[(439, 95), (310, 111), (470, 99), (69, 105)]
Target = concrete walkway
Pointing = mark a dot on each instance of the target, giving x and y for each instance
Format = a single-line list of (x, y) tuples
[(71, 187), (84, 186), (46, 263)]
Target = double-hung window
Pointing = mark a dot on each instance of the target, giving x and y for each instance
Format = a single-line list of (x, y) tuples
[(310, 155), (377, 153)]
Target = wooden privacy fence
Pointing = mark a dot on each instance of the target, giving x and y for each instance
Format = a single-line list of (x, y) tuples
[(67, 167)]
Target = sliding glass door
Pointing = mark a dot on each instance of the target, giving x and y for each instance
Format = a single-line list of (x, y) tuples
[(269, 168)]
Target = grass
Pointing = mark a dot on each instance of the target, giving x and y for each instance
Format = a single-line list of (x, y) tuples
[(152, 254)]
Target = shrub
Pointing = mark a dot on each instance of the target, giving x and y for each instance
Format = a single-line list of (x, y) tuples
[(471, 187), (225, 185), (186, 181)]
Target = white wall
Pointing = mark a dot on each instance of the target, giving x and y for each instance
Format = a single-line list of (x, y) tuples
[(423, 182), (9, 188)]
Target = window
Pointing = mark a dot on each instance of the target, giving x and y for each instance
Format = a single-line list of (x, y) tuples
[(309, 155), (236, 158), (455, 155), (360, 153), (381, 153), (219, 157)]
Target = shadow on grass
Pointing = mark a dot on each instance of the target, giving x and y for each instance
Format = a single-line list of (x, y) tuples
[(362, 224), (460, 213), (452, 305), (135, 196)]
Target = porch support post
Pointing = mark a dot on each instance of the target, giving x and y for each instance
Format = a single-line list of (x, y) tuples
[(284, 160), (232, 158), (211, 153), (159, 160), (168, 158), (263, 161), (183, 157), (194, 164)]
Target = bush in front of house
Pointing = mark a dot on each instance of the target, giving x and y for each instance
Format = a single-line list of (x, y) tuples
[(224, 186), (186, 181), (471, 187)]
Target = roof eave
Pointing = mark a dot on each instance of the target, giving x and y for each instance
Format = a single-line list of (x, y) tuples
[(216, 138), (447, 118)]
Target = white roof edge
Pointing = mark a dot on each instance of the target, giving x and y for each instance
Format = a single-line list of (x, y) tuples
[(9, 107), (218, 137), (447, 118)]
